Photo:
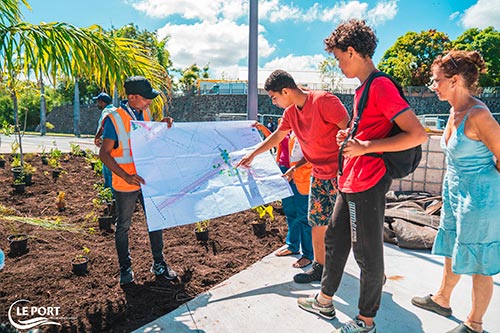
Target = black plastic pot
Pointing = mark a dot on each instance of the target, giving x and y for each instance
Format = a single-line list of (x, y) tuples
[(45, 160), (105, 222), (17, 172), (56, 173), (259, 229), (18, 244), (20, 188), (28, 179), (2, 164), (201, 235), (80, 265)]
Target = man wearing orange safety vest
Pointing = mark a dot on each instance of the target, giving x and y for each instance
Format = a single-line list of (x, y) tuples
[(116, 154)]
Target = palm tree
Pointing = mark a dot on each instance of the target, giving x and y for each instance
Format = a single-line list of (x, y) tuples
[(52, 49)]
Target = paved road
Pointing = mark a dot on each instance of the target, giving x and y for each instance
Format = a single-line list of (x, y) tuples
[(35, 143)]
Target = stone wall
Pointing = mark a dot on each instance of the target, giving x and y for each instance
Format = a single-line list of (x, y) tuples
[(206, 108)]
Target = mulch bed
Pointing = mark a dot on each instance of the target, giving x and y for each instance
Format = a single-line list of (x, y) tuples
[(95, 302)]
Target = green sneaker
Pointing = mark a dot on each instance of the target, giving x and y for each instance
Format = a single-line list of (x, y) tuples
[(312, 305), (356, 326)]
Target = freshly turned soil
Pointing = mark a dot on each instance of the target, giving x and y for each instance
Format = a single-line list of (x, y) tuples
[(95, 302)]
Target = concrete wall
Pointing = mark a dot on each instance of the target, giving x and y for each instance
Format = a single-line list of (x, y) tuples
[(206, 108), (428, 176)]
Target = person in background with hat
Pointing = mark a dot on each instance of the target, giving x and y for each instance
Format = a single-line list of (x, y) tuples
[(115, 153), (103, 102)]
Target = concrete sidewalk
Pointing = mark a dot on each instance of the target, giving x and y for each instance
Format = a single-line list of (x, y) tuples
[(262, 299), (35, 143)]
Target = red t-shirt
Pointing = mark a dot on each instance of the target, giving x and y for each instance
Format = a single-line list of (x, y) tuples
[(384, 104), (316, 128)]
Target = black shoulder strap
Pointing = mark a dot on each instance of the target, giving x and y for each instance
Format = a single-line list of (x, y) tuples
[(364, 96), (361, 106)]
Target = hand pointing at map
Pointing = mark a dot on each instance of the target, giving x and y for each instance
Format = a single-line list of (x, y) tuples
[(246, 160)]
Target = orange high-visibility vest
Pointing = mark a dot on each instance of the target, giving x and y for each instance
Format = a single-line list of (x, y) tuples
[(123, 153), (302, 175)]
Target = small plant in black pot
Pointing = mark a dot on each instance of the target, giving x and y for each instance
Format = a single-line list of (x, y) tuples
[(80, 262), (265, 213), (201, 230), (19, 184), (18, 244), (104, 202)]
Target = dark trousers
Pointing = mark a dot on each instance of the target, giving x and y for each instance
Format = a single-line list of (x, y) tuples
[(125, 205), (358, 221)]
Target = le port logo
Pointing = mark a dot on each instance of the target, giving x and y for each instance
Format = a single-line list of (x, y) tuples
[(24, 316)]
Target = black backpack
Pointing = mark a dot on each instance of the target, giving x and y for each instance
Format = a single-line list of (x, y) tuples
[(399, 164)]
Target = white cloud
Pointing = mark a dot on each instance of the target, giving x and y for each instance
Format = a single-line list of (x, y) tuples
[(204, 10), (483, 14), (382, 12), (269, 10), (276, 11), (217, 30), (295, 63), (224, 43), (454, 15)]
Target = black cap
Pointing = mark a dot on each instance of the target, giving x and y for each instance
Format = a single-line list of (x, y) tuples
[(103, 97), (139, 85)]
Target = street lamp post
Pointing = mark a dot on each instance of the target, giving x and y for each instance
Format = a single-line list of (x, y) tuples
[(252, 97)]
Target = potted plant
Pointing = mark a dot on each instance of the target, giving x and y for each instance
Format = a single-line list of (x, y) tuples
[(18, 244), (56, 167), (95, 162), (104, 199), (265, 213), (28, 171), (60, 202), (43, 156), (75, 150), (19, 184), (201, 230), (2, 161), (80, 262), (16, 167)]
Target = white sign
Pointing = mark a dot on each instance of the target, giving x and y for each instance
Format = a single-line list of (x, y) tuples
[(190, 171)]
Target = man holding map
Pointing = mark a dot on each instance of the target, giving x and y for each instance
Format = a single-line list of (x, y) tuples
[(315, 117), (116, 154)]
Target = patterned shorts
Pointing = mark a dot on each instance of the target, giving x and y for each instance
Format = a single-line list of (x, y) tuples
[(322, 198)]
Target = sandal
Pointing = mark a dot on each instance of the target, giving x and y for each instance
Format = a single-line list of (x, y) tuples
[(302, 262), (285, 252), (462, 328), (428, 304)]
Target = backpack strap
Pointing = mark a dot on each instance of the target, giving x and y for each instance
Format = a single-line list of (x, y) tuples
[(361, 106)]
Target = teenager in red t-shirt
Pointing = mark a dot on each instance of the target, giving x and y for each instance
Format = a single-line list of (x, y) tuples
[(358, 216), (315, 117)]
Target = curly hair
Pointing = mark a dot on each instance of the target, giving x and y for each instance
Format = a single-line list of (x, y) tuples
[(467, 64), (354, 33), (278, 80)]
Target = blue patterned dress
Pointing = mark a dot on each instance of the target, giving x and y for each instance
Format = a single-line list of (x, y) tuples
[(469, 231)]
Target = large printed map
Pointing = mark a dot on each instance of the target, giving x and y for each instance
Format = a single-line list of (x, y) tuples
[(190, 173)]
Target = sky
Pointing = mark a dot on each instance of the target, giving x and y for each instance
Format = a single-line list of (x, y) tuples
[(291, 33)]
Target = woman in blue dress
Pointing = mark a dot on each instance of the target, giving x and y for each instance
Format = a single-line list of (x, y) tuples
[(469, 232)]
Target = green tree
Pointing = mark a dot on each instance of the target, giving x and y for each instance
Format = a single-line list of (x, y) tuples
[(189, 76), (59, 48), (410, 58), (487, 42), (330, 73)]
